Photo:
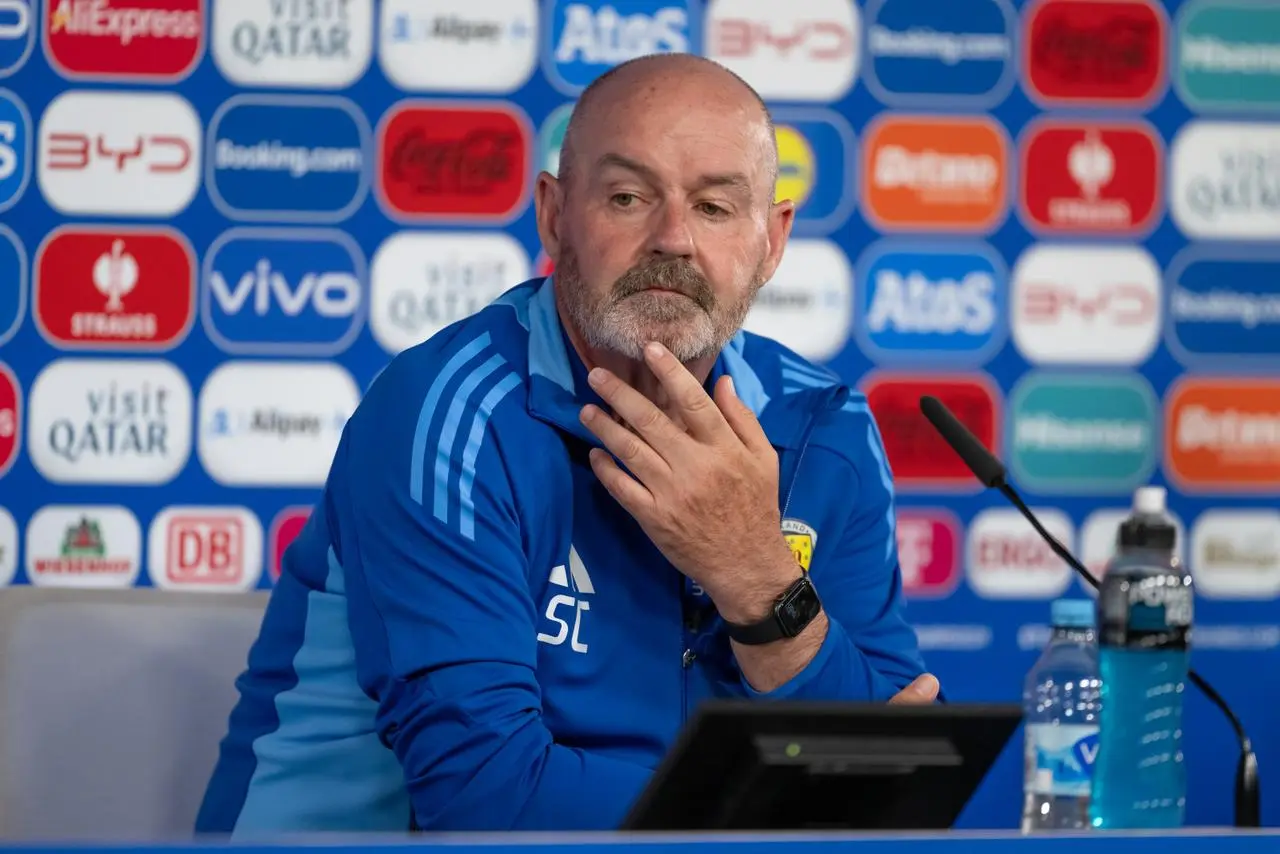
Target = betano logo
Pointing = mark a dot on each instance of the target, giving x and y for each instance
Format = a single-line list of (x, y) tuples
[(1222, 435), (933, 172)]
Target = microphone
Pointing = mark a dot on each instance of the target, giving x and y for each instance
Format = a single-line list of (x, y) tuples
[(991, 472)]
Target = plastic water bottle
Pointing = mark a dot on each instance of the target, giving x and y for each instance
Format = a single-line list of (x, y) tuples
[(1060, 708), (1144, 634)]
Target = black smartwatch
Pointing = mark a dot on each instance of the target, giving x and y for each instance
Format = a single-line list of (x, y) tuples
[(795, 609)]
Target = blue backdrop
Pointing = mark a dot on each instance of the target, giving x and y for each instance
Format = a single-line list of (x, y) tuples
[(221, 219)]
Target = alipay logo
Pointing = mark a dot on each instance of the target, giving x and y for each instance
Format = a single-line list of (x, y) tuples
[(1082, 433), (585, 38), (15, 149), (952, 53), (1223, 308), (283, 292), (926, 301), (17, 34), (1229, 55), (307, 153)]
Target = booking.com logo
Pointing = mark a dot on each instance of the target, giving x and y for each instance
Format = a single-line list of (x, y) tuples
[(585, 38)]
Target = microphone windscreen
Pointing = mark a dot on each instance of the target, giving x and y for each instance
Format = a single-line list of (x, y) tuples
[(985, 467)]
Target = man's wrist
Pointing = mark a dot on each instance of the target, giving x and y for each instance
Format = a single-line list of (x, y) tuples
[(752, 601)]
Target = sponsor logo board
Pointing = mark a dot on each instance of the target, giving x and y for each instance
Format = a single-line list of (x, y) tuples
[(1222, 434), (147, 41), (1223, 307), (918, 456), (1236, 554), (585, 38), (1228, 55), (804, 50), (1075, 433), (109, 421), (310, 153), (1007, 559), (273, 423), (8, 547), (1222, 180), (459, 45), (422, 281), (119, 153), (17, 34), (551, 138), (954, 54), (808, 303), (929, 301), (114, 288), (928, 552), (283, 292), (312, 45), (205, 549), (11, 415), (13, 283), (285, 528), (15, 149), (95, 547), (817, 168)]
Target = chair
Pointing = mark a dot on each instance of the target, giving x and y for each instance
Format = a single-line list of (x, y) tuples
[(112, 704)]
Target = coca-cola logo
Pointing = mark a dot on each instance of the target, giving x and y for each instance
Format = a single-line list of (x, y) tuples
[(455, 162), (1108, 51)]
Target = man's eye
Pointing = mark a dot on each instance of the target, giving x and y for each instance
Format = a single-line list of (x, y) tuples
[(623, 200), (712, 209)]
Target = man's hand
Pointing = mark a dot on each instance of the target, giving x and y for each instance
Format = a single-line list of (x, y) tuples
[(708, 497), (921, 692)]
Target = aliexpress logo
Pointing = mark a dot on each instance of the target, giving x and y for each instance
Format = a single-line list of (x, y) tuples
[(933, 172), (1223, 435)]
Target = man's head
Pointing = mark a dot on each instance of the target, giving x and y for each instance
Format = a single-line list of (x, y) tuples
[(662, 223)]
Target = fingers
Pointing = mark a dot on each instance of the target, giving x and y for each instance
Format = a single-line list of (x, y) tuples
[(703, 418), (922, 691), (626, 490), (738, 415), (637, 455), (637, 410)]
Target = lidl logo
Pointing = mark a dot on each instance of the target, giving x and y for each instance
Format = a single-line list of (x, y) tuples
[(292, 158), (284, 292), (935, 172), (1228, 55), (918, 456), (15, 149), (1103, 53), (585, 38), (13, 283), (1223, 307), (949, 54), (1090, 177), (551, 138), (17, 33), (1082, 433), (816, 168), (1222, 435), (932, 301)]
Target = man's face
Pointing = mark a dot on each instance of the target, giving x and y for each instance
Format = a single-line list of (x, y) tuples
[(667, 229)]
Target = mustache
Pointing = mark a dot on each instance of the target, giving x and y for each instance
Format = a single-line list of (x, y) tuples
[(673, 274)]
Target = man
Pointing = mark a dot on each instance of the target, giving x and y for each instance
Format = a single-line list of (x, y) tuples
[(553, 528)]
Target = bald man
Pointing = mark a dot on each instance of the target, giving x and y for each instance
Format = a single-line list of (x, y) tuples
[(556, 526)]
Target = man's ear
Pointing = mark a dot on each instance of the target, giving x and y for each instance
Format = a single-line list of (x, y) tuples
[(782, 216), (548, 201)]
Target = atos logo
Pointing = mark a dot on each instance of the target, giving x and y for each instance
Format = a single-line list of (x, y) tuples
[(283, 292), (15, 149), (929, 301), (585, 38), (17, 35)]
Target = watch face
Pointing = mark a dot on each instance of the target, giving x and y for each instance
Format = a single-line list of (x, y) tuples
[(799, 607)]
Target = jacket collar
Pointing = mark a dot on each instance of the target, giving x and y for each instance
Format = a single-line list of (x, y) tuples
[(558, 388)]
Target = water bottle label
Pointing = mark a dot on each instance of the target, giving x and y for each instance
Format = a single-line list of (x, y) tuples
[(1060, 758)]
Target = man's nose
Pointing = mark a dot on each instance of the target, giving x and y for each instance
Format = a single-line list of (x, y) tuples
[(671, 233)]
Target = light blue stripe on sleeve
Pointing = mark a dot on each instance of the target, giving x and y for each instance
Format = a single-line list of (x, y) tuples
[(418, 462), (886, 478), (806, 379), (449, 432), (467, 510)]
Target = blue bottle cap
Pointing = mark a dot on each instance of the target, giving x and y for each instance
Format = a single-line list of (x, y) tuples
[(1072, 613)]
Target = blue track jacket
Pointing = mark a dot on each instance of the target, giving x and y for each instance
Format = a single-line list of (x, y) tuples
[(471, 634)]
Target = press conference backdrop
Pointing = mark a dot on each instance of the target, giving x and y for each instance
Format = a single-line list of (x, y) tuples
[(221, 219)]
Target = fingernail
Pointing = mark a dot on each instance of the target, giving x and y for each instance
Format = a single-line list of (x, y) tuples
[(595, 376), (587, 413), (653, 349), (729, 382)]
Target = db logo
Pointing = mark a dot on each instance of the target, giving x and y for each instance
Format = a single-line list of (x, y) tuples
[(935, 173), (118, 153), (1107, 53), (1096, 178), (10, 418), (119, 288), (918, 456), (205, 548), (928, 552), (455, 161), (149, 41), (286, 527)]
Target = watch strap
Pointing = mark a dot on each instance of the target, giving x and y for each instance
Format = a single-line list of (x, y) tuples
[(774, 627)]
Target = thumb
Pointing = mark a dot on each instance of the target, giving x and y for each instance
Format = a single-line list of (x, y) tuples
[(923, 690)]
